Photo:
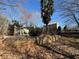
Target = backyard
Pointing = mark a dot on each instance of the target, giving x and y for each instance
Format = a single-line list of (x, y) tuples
[(42, 47)]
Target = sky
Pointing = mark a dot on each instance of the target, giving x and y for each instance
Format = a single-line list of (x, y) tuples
[(29, 11)]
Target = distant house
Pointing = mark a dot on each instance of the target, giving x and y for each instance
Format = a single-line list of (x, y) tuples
[(76, 29), (23, 30), (52, 28), (72, 29)]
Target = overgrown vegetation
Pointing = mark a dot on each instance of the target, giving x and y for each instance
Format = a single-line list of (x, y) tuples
[(35, 31), (3, 24)]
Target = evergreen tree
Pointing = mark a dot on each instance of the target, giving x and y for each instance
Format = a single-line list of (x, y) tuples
[(46, 11)]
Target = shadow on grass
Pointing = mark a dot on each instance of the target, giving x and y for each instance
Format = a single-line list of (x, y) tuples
[(58, 51)]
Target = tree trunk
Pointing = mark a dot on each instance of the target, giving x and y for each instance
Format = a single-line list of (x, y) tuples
[(76, 20), (46, 28)]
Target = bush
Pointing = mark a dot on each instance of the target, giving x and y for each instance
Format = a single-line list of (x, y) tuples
[(11, 30), (35, 32)]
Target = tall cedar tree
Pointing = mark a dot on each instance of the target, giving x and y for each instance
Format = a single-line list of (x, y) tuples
[(46, 11)]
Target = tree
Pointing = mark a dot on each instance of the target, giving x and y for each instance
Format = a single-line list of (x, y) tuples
[(46, 11), (13, 27), (65, 28), (15, 23), (59, 30), (69, 10), (5, 4)]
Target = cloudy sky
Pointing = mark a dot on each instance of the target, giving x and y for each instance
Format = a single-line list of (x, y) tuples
[(28, 10)]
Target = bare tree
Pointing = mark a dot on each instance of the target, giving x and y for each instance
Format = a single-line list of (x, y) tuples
[(69, 10)]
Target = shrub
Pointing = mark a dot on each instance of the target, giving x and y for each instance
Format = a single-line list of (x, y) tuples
[(35, 32)]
